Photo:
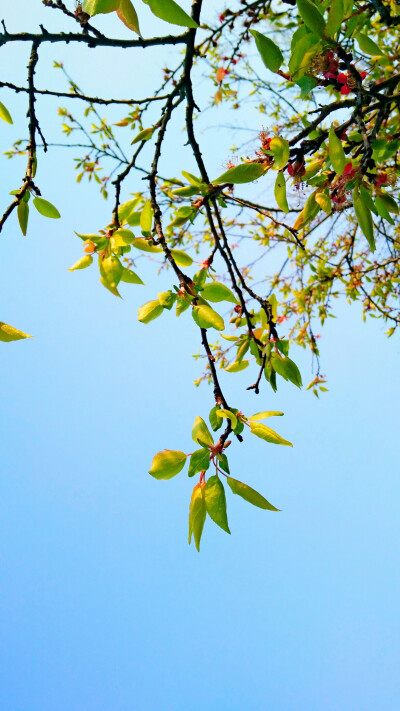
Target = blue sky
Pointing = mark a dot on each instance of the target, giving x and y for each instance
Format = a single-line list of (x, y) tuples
[(103, 604)]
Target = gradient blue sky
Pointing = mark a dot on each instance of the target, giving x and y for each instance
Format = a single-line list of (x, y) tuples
[(103, 604)]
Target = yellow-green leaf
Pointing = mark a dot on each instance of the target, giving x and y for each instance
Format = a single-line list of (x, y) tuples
[(264, 432), (146, 217), (127, 14), (167, 464), (264, 415), (280, 192), (9, 333), (364, 217), (181, 258), (249, 494), (280, 150), (171, 12), (242, 173), (97, 7), (23, 214), (145, 246), (130, 277), (215, 499), (200, 432), (5, 114), (82, 263), (368, 46), (46, 208), (214, 291), (206, 317), (336, 152), (197, 514), (144, 135), (236, 366), (229, 415), (149, 311)]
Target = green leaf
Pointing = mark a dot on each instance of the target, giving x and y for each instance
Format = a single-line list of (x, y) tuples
[(167, 464), (167, 299), (223, 459), (130, 277), (23, 214), (149, 311), (206, 317), (306, 84), (186, 191), (237, 366), (264, 415), (5, 114), (146, 217), (280, 192), (192, 179), (336, 152), (243, 173), (97, 7), (215, 499), (368, 46), (145, 246), (215, 421), (9, 333), (382, 210), (197, 514), (286, 368), (82, 263), (144, 135), (280, 151), (389, 202), (199, 461), (302, 53), (46, 208), (229, 415), (111, 270), (169, 11), (364, 218), (311, 16), (264, 432), (249, 494), (335, 17), (200, 432), (127, 14), (269, 51), (215, 291), (181, 258), (283, 346)]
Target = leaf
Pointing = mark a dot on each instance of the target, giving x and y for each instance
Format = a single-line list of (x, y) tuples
[(82, 263), (146, 217), (389, 202), (269, 51), (111, 270), (192, 179), (186, 191), (122, 238), (149, 311), (144, 135), (264, 432), (197, 514), (129, 277), (364, 217), (97, 7), (311, 16), (181, 258), (215, 291), (280, 150), (206, 317), (368, 46), (313, 168), (200, 432), (223, 459), (287, 368), (167, 299), (264, 415), (229, 415), (169, 11), (236, 366), (302, 52), (145, 246), (215, 421), (214, 494), (306, 84), (336, 152), (108, 286), (9, 333), (46, 208), (23, 214), (127, 14), (324, 201), (382, 210), (249, 494), (280, 192), (5, 114), (167, 464), (243, 173), (335, 17), (199, 461)]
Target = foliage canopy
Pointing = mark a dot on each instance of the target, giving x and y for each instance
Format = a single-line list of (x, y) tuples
[(327, 149)]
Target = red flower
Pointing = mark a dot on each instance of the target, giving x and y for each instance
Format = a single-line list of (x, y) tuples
[(349, 171), (345, 90), (380, 179)]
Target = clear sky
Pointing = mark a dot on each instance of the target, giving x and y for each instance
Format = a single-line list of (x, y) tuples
[(104, 606)]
